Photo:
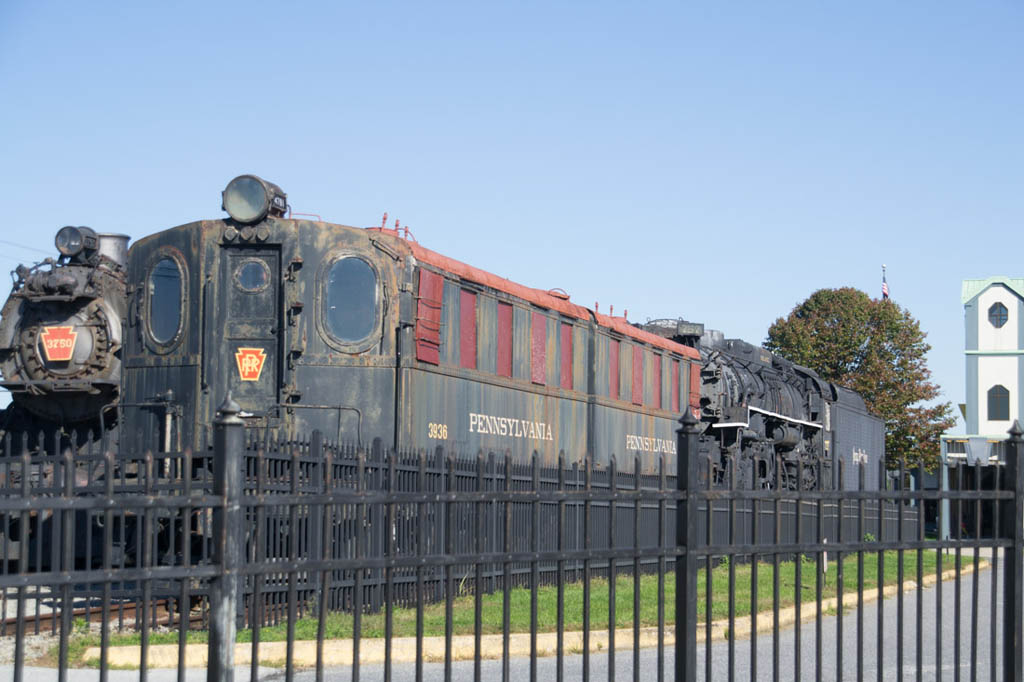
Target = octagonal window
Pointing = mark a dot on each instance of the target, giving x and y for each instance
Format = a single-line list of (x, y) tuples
[(997, 315)]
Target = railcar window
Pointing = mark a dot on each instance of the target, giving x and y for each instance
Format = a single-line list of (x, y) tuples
[(998, 404), (351, 301), (165, 300), (997, 315), (252, 276)]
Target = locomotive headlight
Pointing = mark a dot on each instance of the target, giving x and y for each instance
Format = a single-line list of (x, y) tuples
[(249, 199), (70, 241)]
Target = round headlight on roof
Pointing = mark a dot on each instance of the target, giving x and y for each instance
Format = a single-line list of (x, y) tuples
[(250, 199), (70, 241)]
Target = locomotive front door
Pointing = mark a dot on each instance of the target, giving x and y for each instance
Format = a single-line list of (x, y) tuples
[(247, 361)]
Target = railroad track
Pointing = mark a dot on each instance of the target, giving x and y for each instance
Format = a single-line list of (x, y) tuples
[(124, 612)]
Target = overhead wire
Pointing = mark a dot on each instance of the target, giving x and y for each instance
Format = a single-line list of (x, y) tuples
[(23, 246)]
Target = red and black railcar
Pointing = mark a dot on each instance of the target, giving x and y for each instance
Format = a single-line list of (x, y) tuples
[(366, 335)]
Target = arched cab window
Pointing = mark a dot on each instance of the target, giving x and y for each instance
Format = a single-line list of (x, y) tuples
[(165, 294), (351, 303), (998, 404)]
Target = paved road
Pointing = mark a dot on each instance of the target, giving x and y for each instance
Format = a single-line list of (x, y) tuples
[(546, 670)]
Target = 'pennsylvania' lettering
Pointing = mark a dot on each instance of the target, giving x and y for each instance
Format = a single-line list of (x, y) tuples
[(645, 444), (508, 426)]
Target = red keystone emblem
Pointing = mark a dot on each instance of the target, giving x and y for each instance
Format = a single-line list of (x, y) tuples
[(58, 343), (250, 363)]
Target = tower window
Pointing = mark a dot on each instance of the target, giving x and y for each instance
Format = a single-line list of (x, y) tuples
[(997, 315), (998, 404)]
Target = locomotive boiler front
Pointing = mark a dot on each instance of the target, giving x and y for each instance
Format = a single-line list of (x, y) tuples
[(762, 411), (60, 332)]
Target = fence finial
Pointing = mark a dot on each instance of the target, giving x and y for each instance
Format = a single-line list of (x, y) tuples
[(1016, 431), (688, 423), (228, 411)]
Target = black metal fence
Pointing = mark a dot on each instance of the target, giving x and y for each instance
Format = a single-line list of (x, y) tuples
[(262, 533)]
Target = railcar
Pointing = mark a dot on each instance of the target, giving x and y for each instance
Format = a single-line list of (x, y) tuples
[(365, 335)]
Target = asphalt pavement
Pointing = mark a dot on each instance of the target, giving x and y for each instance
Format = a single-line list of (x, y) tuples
[(519, 669)]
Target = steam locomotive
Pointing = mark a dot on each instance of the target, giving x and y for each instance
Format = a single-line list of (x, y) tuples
[(772, 423), (60, 336), (368, 336)]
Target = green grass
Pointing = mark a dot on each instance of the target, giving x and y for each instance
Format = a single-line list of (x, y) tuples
[(339, 626)]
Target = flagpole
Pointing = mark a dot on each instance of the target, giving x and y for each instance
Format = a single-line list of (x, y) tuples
[(885, 285)]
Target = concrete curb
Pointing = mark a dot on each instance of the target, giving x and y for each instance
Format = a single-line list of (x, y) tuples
[(403, 649)]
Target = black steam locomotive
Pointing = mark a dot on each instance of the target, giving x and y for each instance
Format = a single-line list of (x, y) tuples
[(60, 336), (773, 422), (367, 336)]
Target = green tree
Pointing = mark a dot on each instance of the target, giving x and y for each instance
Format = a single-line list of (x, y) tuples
[(876, 348)]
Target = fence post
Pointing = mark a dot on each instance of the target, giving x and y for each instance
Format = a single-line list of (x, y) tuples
[(687, 477), (1013, 585), (228, 439)]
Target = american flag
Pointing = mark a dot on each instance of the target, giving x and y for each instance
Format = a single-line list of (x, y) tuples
[(885, 286)]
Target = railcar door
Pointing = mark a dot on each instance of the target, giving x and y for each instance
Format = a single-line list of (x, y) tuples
[(247, 357)]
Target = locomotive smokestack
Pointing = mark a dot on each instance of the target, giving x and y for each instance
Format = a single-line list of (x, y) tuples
[(115, 247)]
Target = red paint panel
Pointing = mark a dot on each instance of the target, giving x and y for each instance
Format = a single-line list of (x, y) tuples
[(546, 299), (695, 387), (613, 369), (467, 329), (638, 375), (538, 349), (504, 363), (674, 391), (428, 317), (656, 377), (566, 355)]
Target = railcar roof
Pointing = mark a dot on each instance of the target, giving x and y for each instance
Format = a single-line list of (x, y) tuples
[(539, 297)]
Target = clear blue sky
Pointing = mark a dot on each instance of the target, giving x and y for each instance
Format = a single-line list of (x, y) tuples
[(715, 161)]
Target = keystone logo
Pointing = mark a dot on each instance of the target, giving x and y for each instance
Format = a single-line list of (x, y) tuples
[(250, 363), (58, 343)]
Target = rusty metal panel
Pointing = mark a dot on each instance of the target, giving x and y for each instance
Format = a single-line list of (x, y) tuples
[(581, 359), (674, 388), (637, 386), (694, 369), (338, 404), (538, 348), (614, 375), (471, 416), (626, 433), (467, 329), (428, 318), (521, 343), (450, 324), (551, 352), (656, 382), (504, 340), (487, 334), (565, 350)]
